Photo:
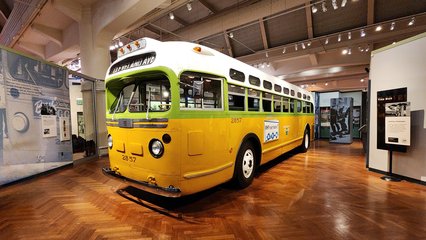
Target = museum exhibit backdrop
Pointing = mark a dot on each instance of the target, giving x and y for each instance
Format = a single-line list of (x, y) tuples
[(34, 117), (341, 110)]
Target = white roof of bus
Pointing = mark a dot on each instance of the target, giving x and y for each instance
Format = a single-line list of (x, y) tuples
[(181, 56)]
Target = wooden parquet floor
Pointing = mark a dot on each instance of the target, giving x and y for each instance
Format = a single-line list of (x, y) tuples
[(324, 194)]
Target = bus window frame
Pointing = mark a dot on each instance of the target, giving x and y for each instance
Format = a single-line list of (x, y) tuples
[(210, 76), (245, 106)]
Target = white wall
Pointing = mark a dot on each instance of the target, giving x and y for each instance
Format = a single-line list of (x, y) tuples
[(75, 92), (357, 96), (398, 66), (325, 98)]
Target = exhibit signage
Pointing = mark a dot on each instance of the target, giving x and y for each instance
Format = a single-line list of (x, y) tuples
[(383, 98), (397, 123)]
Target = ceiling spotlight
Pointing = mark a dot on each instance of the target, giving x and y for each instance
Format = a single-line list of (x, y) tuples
[(339, 38), (314, 9), (362, 80), (189, 6), (379, 28), (393, 43), (349, 51), (361, 49), (309, 43), (349, 35), (362, 33), (303, 46), (344, 3), (111, 47), (171, 16), (284, 50), (392, 27), (345, 51), (231, 35), (326, 83), (367, 48), (266, 54), (326, 41), (120, 43), (268, 64), (334, 3), (116, 45), (411, 23), (324, 8), (295, 47)]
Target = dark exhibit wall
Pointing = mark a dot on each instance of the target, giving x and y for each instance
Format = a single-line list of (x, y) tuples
[(35, 117)]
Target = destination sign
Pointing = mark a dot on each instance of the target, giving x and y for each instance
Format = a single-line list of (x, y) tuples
[(133, 62)]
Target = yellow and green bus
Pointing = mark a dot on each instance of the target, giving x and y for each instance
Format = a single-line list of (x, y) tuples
[(183, 118)]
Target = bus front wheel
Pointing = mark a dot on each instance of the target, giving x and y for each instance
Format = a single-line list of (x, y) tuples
[(245, 166), (305, 143)]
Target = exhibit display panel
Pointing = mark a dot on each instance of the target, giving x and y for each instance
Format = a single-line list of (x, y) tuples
[(341, 120), (398, 76), (35, 129), (324, 113), (179, 125)]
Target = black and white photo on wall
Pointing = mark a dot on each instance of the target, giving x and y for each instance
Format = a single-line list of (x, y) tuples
[(341, 120)]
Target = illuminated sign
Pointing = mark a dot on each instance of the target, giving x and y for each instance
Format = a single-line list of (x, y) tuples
[(133, 62)]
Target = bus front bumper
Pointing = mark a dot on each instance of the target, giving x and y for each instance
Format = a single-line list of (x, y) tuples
[(145, 186)]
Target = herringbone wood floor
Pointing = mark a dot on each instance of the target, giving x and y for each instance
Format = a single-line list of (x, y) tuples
[(324, 194)]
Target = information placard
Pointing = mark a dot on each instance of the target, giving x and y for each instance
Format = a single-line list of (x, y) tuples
[(397, 123)]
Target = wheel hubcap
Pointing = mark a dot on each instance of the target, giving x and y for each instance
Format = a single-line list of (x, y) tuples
[(248, 163)]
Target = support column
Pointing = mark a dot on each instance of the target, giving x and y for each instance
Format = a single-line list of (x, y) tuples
[(95, 60)]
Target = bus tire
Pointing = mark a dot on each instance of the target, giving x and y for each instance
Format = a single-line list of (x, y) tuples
[(245, 165), (306, 141)]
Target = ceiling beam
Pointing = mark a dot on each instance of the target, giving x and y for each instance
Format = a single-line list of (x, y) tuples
[(70, 8), (370, 12), (52, 34), (263, 33), (4, 13), (314, 59), (309, 20), (228, 44), (208, 6), (180, 21), (33, 48)]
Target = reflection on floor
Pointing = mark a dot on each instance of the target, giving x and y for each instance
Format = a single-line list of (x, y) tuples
[(325, 193)]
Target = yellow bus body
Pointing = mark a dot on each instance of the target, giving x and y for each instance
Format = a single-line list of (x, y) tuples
[(202, 152)]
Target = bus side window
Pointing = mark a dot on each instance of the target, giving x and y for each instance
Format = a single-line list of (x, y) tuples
[(312, 107), (292, 105), (277, 103), (236, 96), (305, 107), (200, 91), (286, 105), (253, 100), (267, 102), (299, 106)]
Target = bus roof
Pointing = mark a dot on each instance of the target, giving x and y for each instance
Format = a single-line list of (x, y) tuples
[(182, 56)]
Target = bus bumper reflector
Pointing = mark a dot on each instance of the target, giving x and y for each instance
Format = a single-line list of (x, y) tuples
[(162, 191)]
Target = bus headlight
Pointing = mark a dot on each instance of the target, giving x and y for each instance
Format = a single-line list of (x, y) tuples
[(156, 148), (109, 141)]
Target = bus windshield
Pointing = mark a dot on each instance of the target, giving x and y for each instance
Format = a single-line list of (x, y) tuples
[(142, 95)]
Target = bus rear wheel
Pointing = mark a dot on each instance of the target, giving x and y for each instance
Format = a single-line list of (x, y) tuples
[(305, 143), (245, 166)]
